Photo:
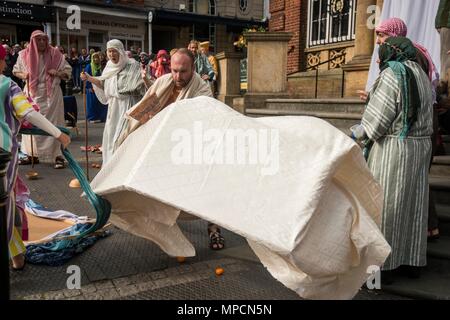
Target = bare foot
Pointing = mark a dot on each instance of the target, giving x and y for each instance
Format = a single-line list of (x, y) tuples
[(18, 262)]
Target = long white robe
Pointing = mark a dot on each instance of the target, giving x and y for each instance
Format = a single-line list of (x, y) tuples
[(51, 107), (120, 93)]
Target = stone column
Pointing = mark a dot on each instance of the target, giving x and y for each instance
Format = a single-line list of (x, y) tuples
[(266, 67), (229, 81), (356, 71)]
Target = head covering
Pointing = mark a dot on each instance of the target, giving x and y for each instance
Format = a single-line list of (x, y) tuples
[(161, 65), (144, 58), (394, 52), (2, 53), (396, 27), (95, 67), (204, 45), (111, 68), (53, 59), (393, 27)]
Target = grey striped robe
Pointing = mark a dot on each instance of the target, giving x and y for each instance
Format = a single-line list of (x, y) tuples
[(401, 166)]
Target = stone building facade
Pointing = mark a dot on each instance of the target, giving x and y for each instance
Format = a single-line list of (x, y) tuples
[(157, 24), (328, 35)]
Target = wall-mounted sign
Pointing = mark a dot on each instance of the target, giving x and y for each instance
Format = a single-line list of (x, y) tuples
[(125, 35), (108, 23), (25, 11)]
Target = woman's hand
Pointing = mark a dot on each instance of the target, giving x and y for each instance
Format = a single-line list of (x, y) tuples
[(362, 95), (64, 139), (84, 76)]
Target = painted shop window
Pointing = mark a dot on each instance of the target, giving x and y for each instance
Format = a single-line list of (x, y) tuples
[(331, 21)]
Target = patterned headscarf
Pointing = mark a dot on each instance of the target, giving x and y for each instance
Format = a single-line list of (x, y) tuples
[(393, 27), (394, 52), (53, 59), (396, 27)]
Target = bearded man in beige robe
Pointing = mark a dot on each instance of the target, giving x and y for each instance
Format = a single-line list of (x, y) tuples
[(182, 83)]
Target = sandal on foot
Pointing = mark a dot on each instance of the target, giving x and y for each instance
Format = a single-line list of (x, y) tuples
[(433, 234), (216, 241), (59, 163), (28, 160)]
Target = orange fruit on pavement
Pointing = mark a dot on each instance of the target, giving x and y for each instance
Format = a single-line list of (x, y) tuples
[(181, 259), (74, 183), (219, 271)]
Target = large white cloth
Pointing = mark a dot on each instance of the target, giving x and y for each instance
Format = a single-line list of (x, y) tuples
[(51, 107), (419, 16), (309, 207)]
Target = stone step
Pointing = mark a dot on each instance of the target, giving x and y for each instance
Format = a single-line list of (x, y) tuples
[(440, 186), (434, 283), (442, 160), (439, 248), (440, 166), (440, 170), (339, 120), (446, 144), (342, 113), (443, 212), (346, 106)]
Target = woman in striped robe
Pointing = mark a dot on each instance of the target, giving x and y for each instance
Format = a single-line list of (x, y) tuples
[(120, 87), (14, 108), (398, 121)]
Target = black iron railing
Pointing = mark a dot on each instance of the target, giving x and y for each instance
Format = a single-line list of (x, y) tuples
[(316, 67)]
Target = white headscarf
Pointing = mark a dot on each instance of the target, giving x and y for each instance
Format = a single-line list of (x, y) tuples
[(111, 68)]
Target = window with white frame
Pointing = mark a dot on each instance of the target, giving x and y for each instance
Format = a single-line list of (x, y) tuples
[(203, 32), (331, 21)]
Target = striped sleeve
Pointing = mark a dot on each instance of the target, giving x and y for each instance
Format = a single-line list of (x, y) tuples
[(381, 110), (21, 105)]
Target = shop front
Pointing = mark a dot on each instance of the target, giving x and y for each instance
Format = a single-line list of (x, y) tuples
[(19, 20), (97, 27)]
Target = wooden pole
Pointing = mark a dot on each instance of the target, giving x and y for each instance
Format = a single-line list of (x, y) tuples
[(32, 174), (86, 139)]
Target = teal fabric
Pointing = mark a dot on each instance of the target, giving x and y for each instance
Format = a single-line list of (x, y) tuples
[(102, 206), (5, 131), (394, 52)]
